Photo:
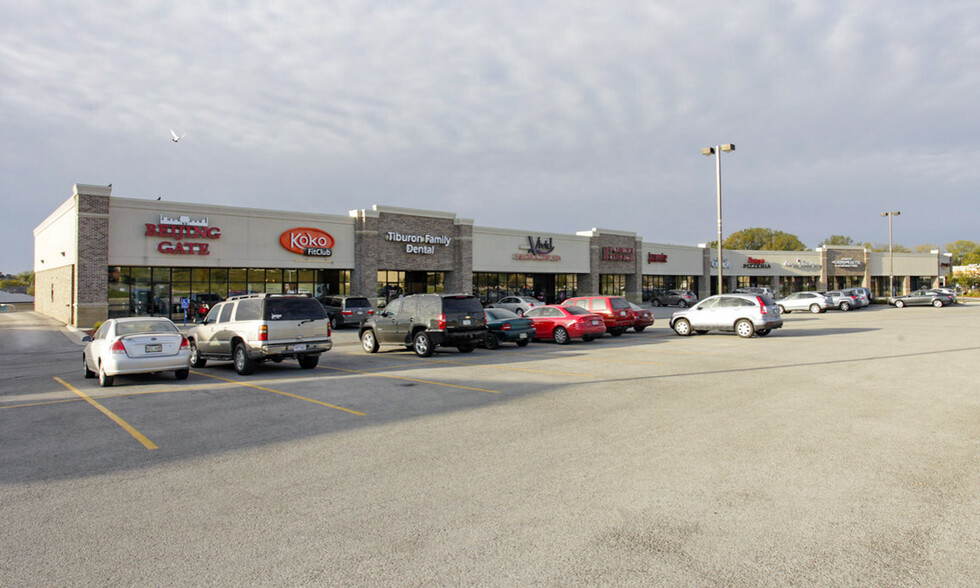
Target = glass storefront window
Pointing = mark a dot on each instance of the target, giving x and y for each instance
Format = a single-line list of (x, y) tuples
[(181, 274), (612, 284), (200, 275), (141, 274)]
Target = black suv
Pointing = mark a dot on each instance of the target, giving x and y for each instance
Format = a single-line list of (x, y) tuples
[(423, 322), (347, 310)]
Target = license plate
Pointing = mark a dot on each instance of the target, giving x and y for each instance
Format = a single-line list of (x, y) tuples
[(154, 348), (522, 336), (299, 347), (467, 322), (595, 322)]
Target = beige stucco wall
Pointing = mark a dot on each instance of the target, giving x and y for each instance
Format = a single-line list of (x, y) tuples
[(494, 250), (682, 260)]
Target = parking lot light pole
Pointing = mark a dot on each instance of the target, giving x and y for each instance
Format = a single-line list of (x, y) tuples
[(891, 253), (716, 151)]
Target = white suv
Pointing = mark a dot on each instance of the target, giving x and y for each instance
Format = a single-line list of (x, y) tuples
[(745, 314)]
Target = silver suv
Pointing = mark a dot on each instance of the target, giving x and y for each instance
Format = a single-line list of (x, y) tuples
[(746, 314), (254, 328)]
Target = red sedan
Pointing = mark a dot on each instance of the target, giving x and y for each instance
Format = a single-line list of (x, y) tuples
[(642, 317), (564, 323)]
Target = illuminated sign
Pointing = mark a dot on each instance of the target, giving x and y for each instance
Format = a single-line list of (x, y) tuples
[(180, 229), (656, 258), (428, 246), (617, 254), (307, 241), (538, 249), (754, 263)]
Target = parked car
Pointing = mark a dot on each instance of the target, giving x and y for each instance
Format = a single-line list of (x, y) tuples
[(682, 298), (951, 292), (564, 323), (504, 326), (755, 290), (517, 304), (866, 292), (138, 345), (614, 310), (422, 322), (843, 299), (642, 317), (923, 297), (863, 300), (347, 310), (815, 302), (255, 328), (745, 314)]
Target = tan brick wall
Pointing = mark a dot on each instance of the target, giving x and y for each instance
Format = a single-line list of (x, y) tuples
[(53, 293)]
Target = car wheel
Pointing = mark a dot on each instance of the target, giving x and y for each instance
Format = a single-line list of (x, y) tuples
[(763, 332), (639, 329), (308, 362), (523, 342), (937, 303), (520, 312), (335, 322), (244, 365), (423, 344), (588, 338), (196, 360), (492, 341), (466, 348), (182, 374), (815, 309), (682, 304), (369, 342), (560, 335), (89, 374), (682, 327), (899, 304), (782, 310), (656, 302), (701, 331), (616, 332), (105, 380), (845, 306), (744, 328)]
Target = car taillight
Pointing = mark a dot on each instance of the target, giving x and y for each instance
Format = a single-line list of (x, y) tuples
[(184, 343), (370, 312), (506, 327), (441, 321), (762, 305), (264, 333), (118, 347)]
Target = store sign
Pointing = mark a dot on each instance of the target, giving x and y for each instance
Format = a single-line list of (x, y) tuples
[(755, 263), (618, 254), (847, 263), (656, 258), (428, 242), (802, 264), (538, 249), (308, 241), (725, 264), (179, 232)]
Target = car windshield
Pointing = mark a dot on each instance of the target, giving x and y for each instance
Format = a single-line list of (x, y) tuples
[(289, 309), (576, 310), (462, 304), (358, 303), (147, 326)]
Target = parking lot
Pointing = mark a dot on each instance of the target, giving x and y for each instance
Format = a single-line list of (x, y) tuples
[(842, 449)]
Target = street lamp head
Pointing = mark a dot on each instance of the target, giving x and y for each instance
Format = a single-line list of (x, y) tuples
[(894, 213), (728, 147), (708, 151)]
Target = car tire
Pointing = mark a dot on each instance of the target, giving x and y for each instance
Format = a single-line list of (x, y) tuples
[(763, 332), (196, 360), (519, 312), (782, 310), (523, 342), (744, 328), (369, 342), (701, 331), (639, 329), (682, 327), (182, 374), (466, 348), (308, 362), (815, 309), (105, 380), (899, 304), (422, 344), (492, 342), (937, 303), (682, 304), (244, 364), (335, 322), (655, 302), (845, 306), (616, 332), (588, 338), (560, 335), (89, 374)]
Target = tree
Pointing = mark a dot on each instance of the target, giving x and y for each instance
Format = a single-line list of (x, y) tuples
[(961, 250), (837, 240), (763, 239), (925, 248), (883, 247)]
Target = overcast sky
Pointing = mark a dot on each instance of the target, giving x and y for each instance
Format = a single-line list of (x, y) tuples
[(554, 116)]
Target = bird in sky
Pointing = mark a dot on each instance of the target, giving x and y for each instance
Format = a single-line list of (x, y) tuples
[(175, 137)]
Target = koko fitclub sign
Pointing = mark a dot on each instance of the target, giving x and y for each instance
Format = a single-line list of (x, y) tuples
[(307, 241)]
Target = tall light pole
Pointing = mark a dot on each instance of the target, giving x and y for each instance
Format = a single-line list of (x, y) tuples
[(716, 151), (891, 253)]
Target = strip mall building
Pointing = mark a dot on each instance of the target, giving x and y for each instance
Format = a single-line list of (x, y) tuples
[(99, 256)]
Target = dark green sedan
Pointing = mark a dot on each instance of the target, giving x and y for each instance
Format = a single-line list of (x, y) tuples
[(506, 326)]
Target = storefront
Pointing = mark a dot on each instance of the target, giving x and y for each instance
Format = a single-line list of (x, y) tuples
[(671, 267)]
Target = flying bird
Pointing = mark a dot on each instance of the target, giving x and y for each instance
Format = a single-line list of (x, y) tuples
[(175, 137)]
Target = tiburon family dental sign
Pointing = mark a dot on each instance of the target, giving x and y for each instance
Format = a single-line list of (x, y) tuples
[(420, 244)]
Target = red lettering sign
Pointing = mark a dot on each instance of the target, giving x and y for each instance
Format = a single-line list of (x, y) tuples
[(307, 241)]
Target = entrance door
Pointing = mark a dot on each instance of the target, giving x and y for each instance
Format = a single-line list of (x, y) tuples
[(415, 282), (544, 287)]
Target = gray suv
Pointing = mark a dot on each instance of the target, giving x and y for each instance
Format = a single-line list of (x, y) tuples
[(347, 310), (422, 322), (746, 314), (254, 328)]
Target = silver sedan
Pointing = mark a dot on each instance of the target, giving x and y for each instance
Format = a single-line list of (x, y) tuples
[(517, 304), (815, 302), (139, 345)]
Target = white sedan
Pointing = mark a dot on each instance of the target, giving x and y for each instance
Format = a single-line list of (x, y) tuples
[(138, 345)]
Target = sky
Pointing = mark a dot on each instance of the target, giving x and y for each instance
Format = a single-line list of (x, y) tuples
[(549, 116)]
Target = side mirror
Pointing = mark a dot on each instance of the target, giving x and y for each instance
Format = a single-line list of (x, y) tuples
[(86, 339)]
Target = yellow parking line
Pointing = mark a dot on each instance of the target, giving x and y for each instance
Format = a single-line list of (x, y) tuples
[(516, 369), (296, 396), (115, 418), (326, 367)]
